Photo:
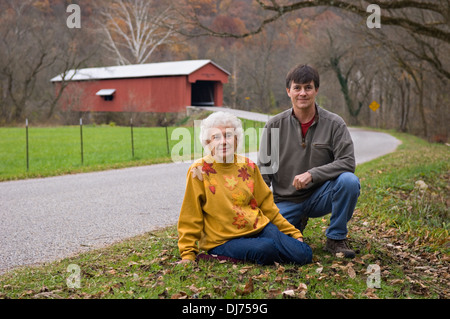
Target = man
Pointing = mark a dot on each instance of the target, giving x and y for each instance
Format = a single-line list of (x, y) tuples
[(307, 156)]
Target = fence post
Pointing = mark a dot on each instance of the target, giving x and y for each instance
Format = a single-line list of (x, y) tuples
[(26, 133), (167, 141), (193, 134), (132, 137), (81, 140)]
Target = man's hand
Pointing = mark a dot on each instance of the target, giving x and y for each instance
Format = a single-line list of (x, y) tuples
[(301, 181)]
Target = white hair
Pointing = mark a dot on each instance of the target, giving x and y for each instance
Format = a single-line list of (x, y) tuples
[(217, 119)]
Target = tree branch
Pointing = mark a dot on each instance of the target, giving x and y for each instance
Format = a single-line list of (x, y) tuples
[(348, 6)]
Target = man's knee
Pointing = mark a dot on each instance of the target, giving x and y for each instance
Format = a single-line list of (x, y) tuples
[(350, 182)]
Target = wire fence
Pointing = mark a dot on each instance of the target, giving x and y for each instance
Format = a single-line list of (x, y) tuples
[(161, 144)]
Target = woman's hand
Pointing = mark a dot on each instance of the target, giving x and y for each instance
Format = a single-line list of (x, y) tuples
[(185, 262)]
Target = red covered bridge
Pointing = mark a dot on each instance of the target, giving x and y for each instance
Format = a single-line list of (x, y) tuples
[(152, 87)]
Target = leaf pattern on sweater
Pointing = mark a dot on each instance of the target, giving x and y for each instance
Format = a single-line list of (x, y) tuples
[(239, 199), (250, 163), (251, 185), (207, 168), (230, 182), (240, 221), (243, 173), (253, 203), (197, 173)]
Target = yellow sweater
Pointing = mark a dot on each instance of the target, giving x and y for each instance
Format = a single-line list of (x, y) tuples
[(225, 201)]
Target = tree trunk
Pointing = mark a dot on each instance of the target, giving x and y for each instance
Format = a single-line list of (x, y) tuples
[(343, 82)]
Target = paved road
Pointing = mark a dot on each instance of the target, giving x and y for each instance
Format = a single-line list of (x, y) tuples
[(51, 218), (370, 144)]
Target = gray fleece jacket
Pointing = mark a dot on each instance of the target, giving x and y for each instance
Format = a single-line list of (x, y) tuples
[(325, 152)]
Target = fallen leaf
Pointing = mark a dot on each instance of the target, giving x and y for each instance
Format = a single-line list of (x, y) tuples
[(359, 260), (249, 286), (370, 293), (345, 294), (194, 289), (243, 270), (396, 281), (273, 293), (289, 293), (281, 279), (368, 256), (163, 252), (280, 270), (336, 264), (302, 294), (302, 287), (248, 289), (179, 295), (47, 295), (164, 294), (262, 276), (351, 272)]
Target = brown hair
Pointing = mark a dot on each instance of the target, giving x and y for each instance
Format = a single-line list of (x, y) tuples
[(302, 74)]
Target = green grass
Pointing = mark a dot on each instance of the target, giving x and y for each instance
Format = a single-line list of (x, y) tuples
[(57, 150), (393, 198), (395, 226)]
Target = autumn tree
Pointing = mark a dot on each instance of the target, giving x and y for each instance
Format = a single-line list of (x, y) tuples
[(404, 65), (36, 45), (25, 53)]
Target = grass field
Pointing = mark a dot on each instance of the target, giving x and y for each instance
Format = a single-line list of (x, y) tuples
[(57, 150), (399, 225)]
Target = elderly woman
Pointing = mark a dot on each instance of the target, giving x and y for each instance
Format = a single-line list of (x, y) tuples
[(228, 208)]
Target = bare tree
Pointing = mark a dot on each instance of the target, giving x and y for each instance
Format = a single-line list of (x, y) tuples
[(25, 55), (35, 45), (66, 63), (416, 59), (134, 29)]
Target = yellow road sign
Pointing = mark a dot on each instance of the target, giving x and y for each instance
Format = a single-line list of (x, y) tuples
[(374, 106)]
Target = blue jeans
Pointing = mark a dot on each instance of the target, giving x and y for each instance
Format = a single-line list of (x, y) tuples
[(268, 246), (337, 196)]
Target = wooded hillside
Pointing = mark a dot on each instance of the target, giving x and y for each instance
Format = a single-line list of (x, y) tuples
[(403, 65)]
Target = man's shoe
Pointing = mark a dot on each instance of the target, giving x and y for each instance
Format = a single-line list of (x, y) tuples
[(339, 246)]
